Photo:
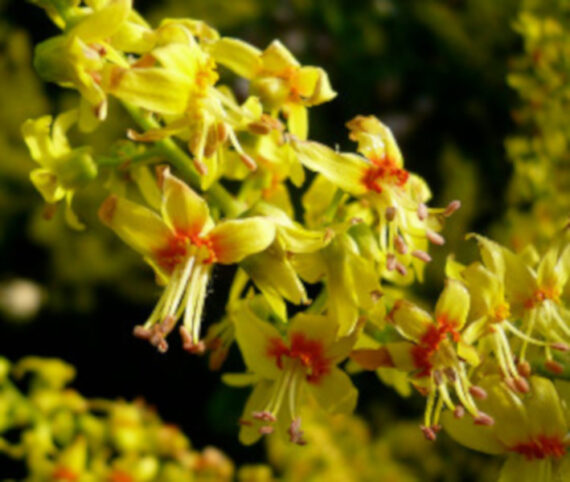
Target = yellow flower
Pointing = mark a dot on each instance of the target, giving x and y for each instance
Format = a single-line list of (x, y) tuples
[(531, 430), (278, 79), (434, 354), (532, 294), (182, 245), (63, 169), (395, 198), (284, 370), (93, 37)]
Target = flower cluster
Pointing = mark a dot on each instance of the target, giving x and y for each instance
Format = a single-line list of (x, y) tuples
[(364, 233), (539, 148)]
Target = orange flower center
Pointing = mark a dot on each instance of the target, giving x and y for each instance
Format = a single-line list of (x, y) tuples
[(384, 171), (541, 448), (541, 294), (430, 342), (309, 352), (63, 473), (502, 312), (178, 248)]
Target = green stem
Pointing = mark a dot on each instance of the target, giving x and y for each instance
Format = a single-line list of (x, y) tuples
[(148, 155), (330, 213), (382, 335), (181, 161)]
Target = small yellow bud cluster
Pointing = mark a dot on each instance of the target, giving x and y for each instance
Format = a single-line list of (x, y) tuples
[(61, 436)]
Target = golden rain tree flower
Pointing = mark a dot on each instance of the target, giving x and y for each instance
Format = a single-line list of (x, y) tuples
[(532, 295), (282, 84), (94, 36), (182, 244), (285, 369), (177, 80), (434, 354), (531, 430), (378, 180), (62, 169)]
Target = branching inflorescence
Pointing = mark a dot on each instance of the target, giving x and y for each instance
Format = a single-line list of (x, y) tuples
[(498, 324)]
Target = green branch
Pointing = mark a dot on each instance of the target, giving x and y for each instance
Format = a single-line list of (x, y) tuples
[(183, 163)]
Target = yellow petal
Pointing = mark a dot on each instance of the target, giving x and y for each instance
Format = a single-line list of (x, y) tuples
[(545, 410), (47, 183), (311, 267), (103, 23), (485, 289), (298, 120), (182, 209), (411, 321), (233, 240), (70, 217), (491, 253), (396, 379), (321, 91), (476, 437), (401, 355), (36, 133), (257, 401), (277, 58), (343, 170), (469, 353), (314, 327), (271, 270), (453, 304), (518, 469), (238, 56), (335, 392), (155, 89), (139, 227), (255, 337)]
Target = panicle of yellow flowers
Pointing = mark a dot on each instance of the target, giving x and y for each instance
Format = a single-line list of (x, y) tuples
[(365, 226), (538, 194)]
